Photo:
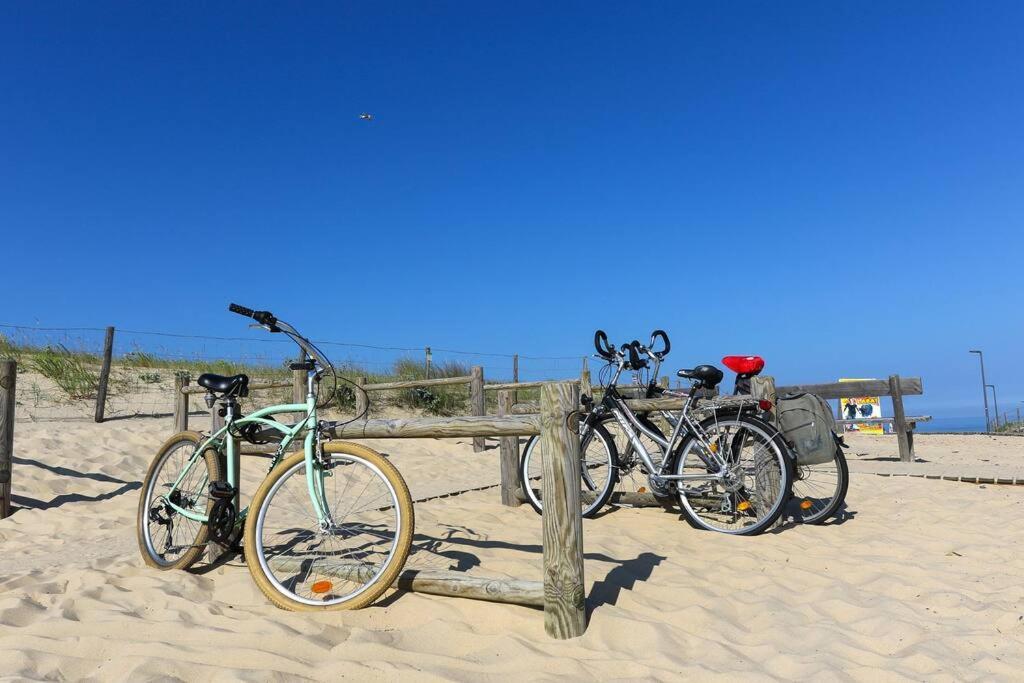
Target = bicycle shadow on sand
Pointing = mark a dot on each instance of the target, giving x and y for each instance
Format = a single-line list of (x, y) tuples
[(454, 543)]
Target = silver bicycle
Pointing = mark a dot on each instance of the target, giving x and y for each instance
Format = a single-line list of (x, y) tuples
[(728, 469)]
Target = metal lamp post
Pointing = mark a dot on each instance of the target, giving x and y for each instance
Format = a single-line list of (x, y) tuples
[(995, 402), (984, 390)]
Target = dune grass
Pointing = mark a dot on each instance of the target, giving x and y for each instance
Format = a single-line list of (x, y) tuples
[(67, 370)]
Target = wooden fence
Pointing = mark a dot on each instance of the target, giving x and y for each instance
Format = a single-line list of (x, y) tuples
[(561, 591)]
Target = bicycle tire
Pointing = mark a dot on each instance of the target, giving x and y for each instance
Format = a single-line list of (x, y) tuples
[(196, 546), (526, 480), (768, 435), (381, 581), (820, 516)]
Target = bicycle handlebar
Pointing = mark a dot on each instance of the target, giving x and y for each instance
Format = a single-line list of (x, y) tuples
[(241, 310), (664, 337), (635, 361), (604, 348)]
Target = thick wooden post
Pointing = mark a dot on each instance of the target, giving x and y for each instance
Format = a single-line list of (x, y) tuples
[(101, 389), (899, 420), (361, 402), (565, 613), (509, 456), (763, 386), (476, 401), (216, 421), (181, 380), (299, 378), (8, 378), (427, 359)]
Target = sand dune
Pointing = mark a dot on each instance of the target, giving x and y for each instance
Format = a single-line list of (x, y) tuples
[(921, 579)]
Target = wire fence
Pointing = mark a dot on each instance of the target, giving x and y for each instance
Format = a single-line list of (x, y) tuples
[(59, 367)]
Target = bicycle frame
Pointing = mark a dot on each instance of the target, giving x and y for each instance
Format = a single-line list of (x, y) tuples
[(682, 424), (224, 436)]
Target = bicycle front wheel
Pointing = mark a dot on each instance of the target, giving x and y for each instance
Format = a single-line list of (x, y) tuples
[(333, 536), (597, 469), (749, 494)]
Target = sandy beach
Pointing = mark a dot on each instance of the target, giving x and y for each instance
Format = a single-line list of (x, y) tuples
[(919, 579)]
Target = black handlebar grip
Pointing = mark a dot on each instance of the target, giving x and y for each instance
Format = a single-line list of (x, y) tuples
[(604, 349), (635, 361), (664, 338), (241, 310)]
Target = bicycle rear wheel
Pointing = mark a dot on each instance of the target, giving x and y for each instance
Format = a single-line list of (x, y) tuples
[(753, 492), (168, 539), (820, 490), (343, 557), (597, 469)]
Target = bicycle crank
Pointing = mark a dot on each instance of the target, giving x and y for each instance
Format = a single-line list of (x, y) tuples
[(222, 515)]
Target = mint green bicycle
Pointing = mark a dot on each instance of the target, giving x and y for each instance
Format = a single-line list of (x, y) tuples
[(329, 527)]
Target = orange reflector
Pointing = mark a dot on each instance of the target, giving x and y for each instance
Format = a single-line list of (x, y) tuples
[(714, 448), (322, 586), (642, 489), (805, 504), (743, 506)]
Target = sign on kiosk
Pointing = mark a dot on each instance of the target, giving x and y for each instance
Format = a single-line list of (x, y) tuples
[(860, 408)]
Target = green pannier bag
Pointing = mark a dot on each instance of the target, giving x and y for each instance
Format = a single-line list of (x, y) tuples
[(807, 424)]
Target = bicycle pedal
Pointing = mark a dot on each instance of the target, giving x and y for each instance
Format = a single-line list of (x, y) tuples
[(221, 490)]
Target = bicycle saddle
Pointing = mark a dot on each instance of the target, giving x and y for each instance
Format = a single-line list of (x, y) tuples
[(744, 365), (708, 375), (236, 385)]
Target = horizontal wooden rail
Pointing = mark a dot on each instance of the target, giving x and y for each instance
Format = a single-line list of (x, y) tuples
[(438, 582), (630, 498), (864, 387), (252, 387), (416, 383), (884, 420), (513, 386), (436, 427), (382, 386), (642, 405)]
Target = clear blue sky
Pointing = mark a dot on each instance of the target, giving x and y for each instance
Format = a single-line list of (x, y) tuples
[(836, 186)]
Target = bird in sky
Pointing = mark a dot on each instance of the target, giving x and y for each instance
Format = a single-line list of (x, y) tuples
[(366, 117)]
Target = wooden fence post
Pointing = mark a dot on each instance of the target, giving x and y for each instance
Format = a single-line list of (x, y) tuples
[(8, 379), (565, 613), (299, 387), (509, 456), (361, 402), (899, 420), (101, 389), (763, 386), (427, 359), (476, 400), (585, 388), (181, 380), (515, 376)]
